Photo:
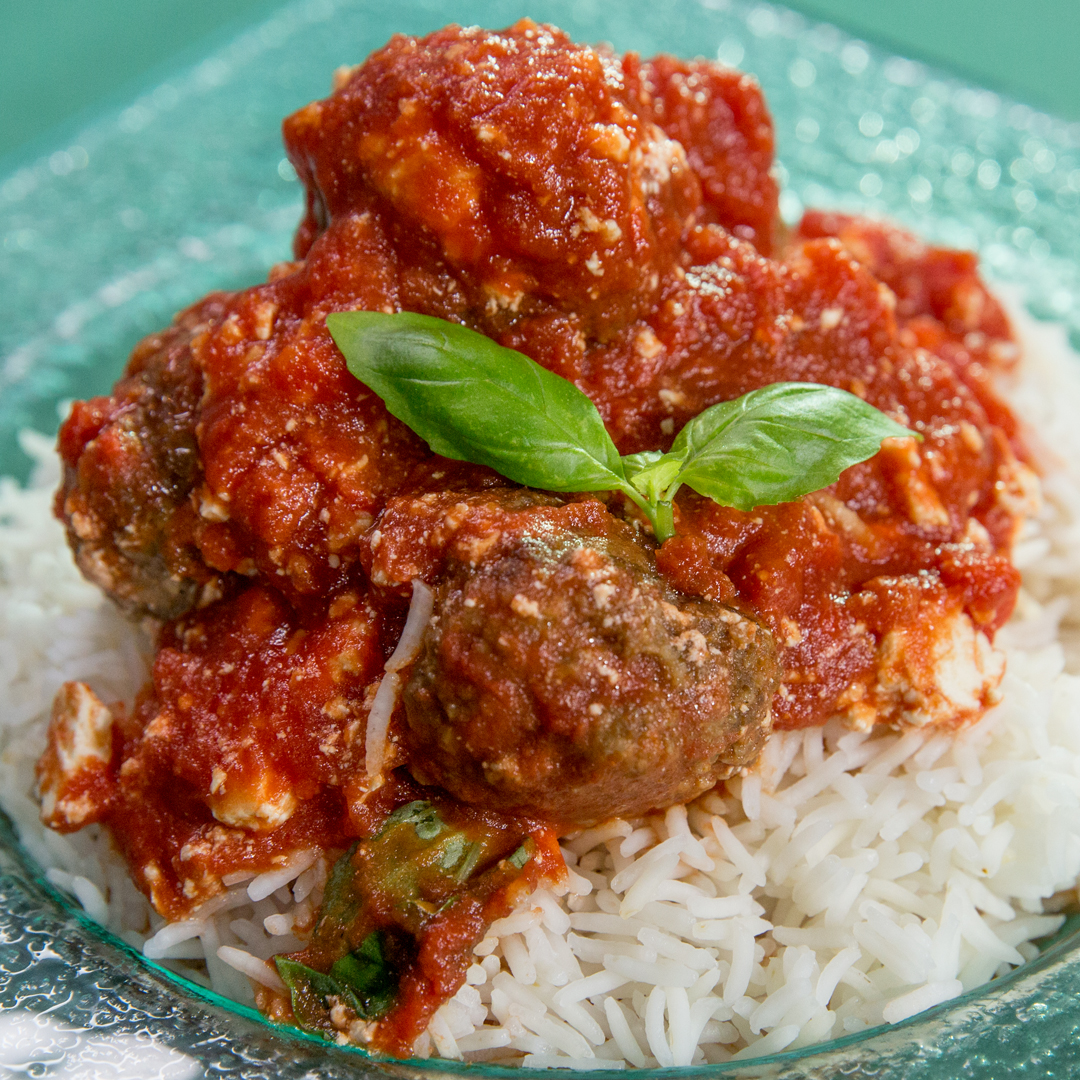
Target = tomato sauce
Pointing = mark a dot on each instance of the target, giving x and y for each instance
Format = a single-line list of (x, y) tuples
[(615, 219)]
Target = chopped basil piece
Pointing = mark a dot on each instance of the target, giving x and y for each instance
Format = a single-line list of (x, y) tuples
[(468, 863), (363, 981), (309, 990), (519, 858), (422, 815), (368, 974), (460, 855), (340, 903)]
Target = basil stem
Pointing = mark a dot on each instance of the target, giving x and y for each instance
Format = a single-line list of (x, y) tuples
[(474, 400)]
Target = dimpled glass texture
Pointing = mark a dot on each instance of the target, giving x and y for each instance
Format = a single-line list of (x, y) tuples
[(186, 190)]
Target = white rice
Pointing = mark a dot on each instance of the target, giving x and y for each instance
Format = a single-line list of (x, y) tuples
[(852, 880), (382, 707)]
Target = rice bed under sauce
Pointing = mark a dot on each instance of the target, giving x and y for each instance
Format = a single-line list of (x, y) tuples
[(852, 880)]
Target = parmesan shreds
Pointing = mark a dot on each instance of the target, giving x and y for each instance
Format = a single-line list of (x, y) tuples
[(852, 880)]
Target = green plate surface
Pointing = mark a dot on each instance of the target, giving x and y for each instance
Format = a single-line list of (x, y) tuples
[(185, 190)]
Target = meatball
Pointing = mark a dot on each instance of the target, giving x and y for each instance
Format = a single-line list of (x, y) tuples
[(131, 462), (565, 678)]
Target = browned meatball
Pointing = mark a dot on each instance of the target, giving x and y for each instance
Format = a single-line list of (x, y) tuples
[(131, 461), (566, 679)]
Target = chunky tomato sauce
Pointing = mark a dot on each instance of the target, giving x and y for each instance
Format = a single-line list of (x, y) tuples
[(615, 219)]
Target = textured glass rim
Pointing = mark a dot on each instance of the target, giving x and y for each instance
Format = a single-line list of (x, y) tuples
[(1065, 944)]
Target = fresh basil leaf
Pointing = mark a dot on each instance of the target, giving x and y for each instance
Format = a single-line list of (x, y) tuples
[(635, 463), (471, 399), (779, 443)]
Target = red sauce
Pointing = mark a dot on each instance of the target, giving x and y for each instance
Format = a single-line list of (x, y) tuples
[(615, 219)]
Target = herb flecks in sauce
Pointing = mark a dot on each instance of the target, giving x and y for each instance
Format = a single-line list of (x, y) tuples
[(473, 400)]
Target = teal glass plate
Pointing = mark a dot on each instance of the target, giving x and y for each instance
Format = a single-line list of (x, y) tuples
[(186, 190)]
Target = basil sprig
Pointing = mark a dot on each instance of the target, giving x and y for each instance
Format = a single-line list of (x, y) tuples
[(473, 400)]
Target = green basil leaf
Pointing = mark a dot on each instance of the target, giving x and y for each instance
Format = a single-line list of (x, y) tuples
[(468, 864), (340, 905), (362, 980), (779, 443), (461, 856), (367, 973), (474, 400), (299, 976), (453, 851), (635, 463)]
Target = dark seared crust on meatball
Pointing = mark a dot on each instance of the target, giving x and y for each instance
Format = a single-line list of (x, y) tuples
[(130, 463), (566, 679)]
